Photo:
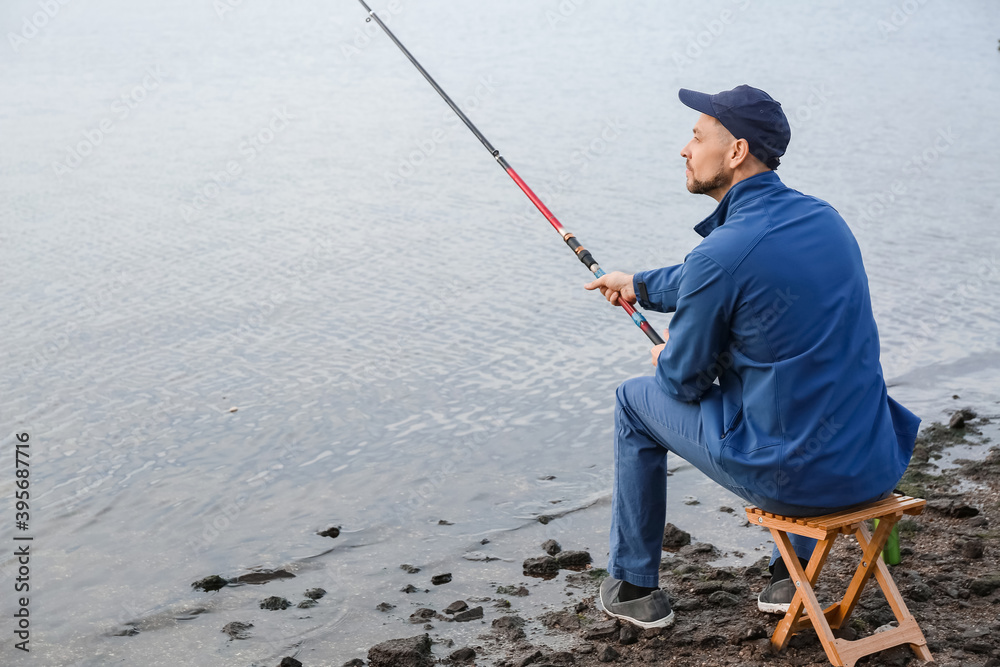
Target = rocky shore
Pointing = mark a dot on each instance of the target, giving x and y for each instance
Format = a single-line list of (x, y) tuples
[(949, 577)]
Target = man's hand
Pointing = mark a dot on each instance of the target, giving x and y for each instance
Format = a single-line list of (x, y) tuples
[(615, 285), (655, 351)]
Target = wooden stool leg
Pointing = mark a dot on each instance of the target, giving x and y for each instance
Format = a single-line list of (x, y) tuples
[(871, 553), (787, 626), (805, 596), (895, 600)]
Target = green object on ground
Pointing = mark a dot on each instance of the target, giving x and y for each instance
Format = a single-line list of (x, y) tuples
[(890, 553)]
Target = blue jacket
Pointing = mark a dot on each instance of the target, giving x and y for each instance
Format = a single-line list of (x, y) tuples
[(773, 335)]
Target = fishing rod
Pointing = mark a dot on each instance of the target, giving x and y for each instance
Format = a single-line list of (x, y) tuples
[(582, 253)]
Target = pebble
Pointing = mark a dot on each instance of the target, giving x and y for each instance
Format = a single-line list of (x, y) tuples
[(275, 603), (723, 599), (602, 631), (541, 566), (960, 417), (573, 559), (973, 548), (421, 615), (439, 579), (551, 547), (210, 583), (456, 606), (674, 538), (465, 654), (263, 576), (607, 654), (408, 652), (237, 629), (628, 634), (469, 615)]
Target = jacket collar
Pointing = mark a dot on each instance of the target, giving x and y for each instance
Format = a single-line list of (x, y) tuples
[(739, 194)]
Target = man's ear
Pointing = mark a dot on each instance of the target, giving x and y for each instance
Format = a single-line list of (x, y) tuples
[(739, 154)]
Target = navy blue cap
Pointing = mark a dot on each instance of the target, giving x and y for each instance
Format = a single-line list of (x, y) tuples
[(748, 113)]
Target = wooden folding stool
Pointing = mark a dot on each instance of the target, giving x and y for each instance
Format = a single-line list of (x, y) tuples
[(805, 610)]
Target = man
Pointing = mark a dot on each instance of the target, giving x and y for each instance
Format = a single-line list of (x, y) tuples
[(769, 381)]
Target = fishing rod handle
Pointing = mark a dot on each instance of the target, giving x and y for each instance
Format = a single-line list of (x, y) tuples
[(636, 316)]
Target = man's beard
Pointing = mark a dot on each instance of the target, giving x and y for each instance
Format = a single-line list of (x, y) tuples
[(697, 187)]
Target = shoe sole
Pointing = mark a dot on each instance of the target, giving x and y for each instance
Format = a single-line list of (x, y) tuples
[(664, 622), (772, 607)]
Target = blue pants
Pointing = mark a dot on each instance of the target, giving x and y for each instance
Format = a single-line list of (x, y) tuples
[(648, 424)]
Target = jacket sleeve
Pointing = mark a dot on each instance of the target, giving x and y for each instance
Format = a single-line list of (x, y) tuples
[(657, 289), (704, 296)]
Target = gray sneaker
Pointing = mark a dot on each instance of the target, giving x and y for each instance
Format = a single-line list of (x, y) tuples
[(652, 611), (777, 597)]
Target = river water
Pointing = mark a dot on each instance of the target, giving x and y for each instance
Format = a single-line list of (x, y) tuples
[(262, 206)]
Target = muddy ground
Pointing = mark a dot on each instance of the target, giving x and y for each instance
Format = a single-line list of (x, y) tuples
[(949, 577)]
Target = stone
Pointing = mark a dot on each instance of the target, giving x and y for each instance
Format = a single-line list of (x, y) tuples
[(439, 579), (307, 604), (289, 661), (263, 576), (408, 652), (315, 593), (384, 606), (551, 547), (628, 634), (406, 567), (210, 583), (973, 549), (456, 606), (528, 659), (542, 566), (606, 653), (559, 658), (723, 599), (275, 603), (698, 549), (464, 654), (674, 538), (561, 619), (421, 615), (686, 604), (237, 629), (984, 585), (510, 627), (570, 559), (355, 662), (603, 631), (333, 531), (959, 418), (469, 614), (514, 591)]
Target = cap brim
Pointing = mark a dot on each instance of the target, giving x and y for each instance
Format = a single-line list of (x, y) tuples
[(698, 101)]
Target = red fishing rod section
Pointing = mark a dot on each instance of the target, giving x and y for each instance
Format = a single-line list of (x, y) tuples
[(582, 253)]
